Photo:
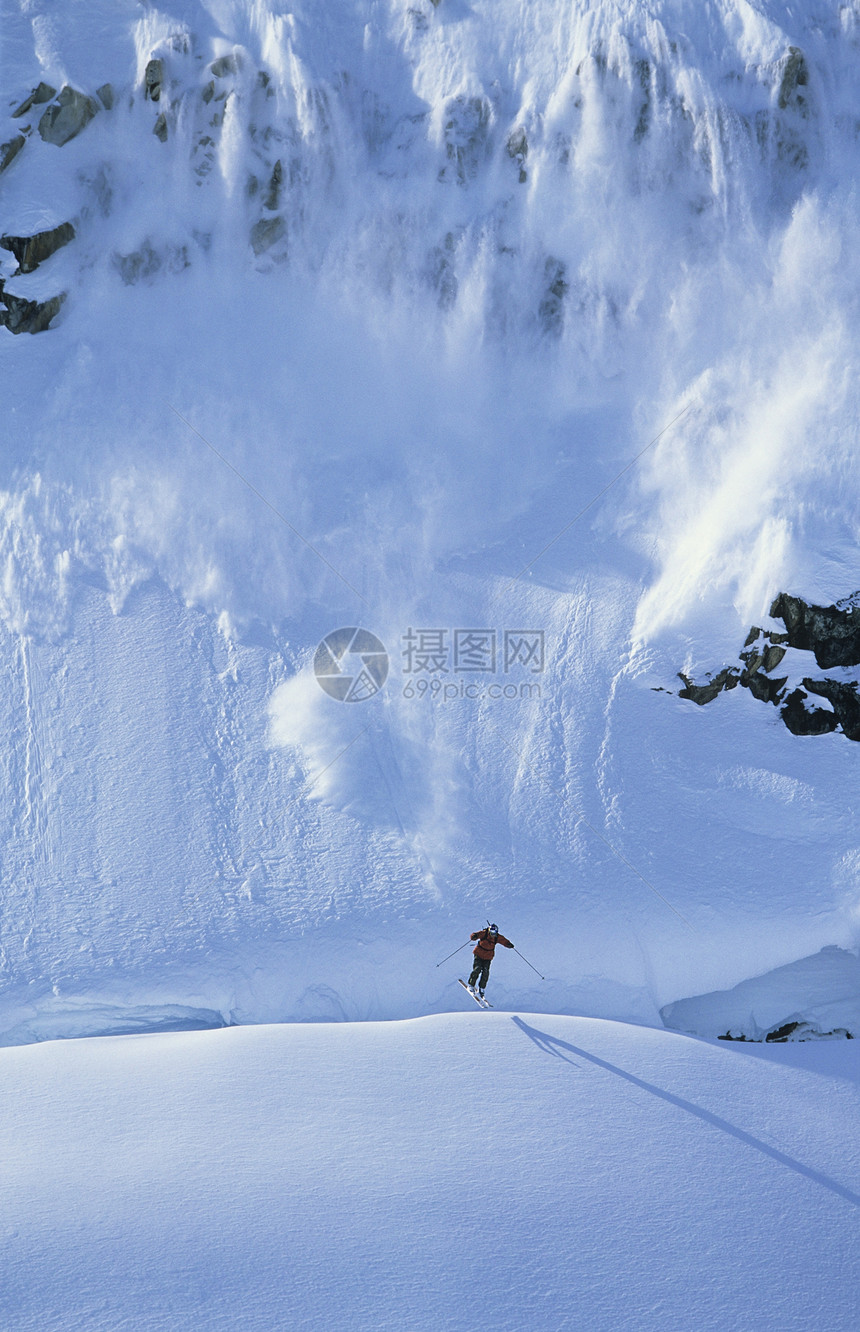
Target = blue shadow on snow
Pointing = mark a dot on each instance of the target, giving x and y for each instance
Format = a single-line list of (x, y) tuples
[(552, 1045)]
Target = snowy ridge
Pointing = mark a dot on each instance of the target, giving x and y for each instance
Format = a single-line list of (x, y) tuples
[(428, 278)]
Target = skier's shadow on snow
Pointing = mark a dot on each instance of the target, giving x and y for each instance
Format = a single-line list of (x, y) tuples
[(553, 1045)]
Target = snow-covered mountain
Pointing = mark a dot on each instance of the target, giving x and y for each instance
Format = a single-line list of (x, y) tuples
[(523, 337)]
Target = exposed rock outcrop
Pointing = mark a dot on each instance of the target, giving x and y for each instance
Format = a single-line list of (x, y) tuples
[(266, 233), (844, 700), (30, 251), (441, 272), (66, 117), (831, 633), (10, 150), (518, 149), (273, 196), (795, 77), (144, 264), (792, 1031), (551, 309), (467, 129), (224, 65), (706, 693), (153, 80), (23, 316), (802, 720), (40, 94)]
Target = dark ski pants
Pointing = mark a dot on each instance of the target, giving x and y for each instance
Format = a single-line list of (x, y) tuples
[(482, 969)]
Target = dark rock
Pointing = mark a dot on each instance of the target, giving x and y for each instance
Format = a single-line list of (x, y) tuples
[(143, 264), (753, 660), (105, 96), (643, 73), (159, 129), (153, 80), (706, 693), (9, 151), (805, 1031), (43, 93), (795, 75), (224, 65), (763, 688), (551, 308), (518, 149), (30, 251), (266, 233), (831, 632), (792, 1031), (137, 265), (442, 273), (273, 197), (467, 128), (208, 92), (71, 113), (844, 700), (518, 144), (800, 721), (782, 1033), (23, 316), (793, 152), (772, 657)]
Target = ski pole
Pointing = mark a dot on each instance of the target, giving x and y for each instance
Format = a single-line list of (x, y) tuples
[(456, 950), (528, 963)]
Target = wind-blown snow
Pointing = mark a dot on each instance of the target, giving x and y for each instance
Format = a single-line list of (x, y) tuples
[(453, 347)]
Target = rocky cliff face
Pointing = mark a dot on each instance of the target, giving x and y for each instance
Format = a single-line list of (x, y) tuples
[(285, 137), (831, 634)]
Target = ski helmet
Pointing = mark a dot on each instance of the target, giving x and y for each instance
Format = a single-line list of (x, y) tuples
[(494, 929)]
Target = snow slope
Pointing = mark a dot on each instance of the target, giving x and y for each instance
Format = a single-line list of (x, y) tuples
[(543, 1172), (517, 246)]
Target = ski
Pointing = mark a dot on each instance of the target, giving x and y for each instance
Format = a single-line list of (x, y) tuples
[(482, 1003)]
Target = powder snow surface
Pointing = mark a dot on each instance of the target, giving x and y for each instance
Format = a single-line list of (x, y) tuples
[(520, 243), (484, 1170)]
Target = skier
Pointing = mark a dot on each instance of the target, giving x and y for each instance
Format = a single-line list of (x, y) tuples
[(483, 954)]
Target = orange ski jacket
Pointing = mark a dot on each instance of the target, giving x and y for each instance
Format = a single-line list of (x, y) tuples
[(487, 944)]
